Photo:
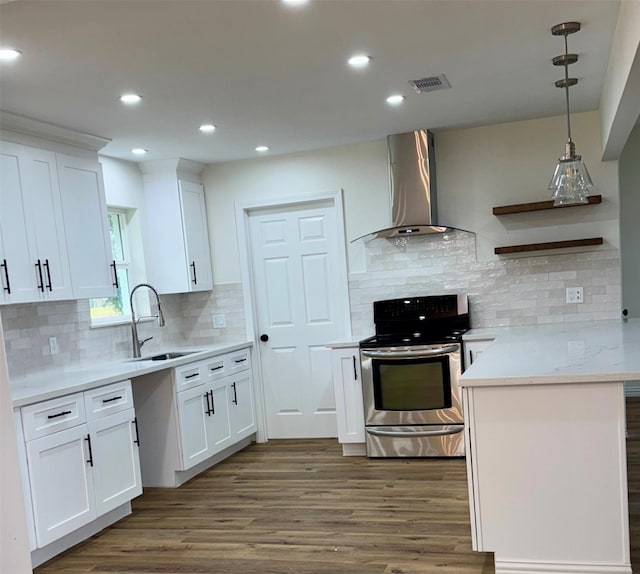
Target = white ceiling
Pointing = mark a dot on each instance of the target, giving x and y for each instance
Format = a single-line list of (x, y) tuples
[(267, 73)]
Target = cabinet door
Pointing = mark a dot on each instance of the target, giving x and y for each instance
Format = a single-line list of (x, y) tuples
[(192, 422), (243, 419), (348, 390), (194, 220), (17, 271), (85, 214), (43, 209), (218, 423), (473, 349), (61, 483), (116, 472)]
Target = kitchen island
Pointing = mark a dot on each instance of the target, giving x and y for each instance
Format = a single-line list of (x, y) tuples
[(545, 439)]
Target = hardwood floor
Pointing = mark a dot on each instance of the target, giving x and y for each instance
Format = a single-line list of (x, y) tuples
[(296, 507)]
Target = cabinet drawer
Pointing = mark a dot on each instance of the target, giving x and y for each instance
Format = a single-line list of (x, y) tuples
[(189, 376), (238, 361), (52, 416), (103, 401), (215, 368)]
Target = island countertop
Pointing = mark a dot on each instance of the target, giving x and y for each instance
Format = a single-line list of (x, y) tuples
[(580, 352)]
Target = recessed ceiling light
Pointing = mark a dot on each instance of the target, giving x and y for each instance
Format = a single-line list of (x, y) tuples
[(9, 54), (359, 61), (262, 148), (395, 100), (295, 2), (130, 98), (138, 151), (207, 128)]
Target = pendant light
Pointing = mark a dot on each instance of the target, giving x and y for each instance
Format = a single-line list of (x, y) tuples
[(571, 181)]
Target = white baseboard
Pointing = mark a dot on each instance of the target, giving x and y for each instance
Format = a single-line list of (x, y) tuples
[(513, 567), (354, 449), (41, 555), (182, 476)]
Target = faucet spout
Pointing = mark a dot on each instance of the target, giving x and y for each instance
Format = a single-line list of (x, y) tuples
[(137, 343)]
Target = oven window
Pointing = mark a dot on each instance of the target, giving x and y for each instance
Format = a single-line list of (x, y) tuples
[(412, 385)]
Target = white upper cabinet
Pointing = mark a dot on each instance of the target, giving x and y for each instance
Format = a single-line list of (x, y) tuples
[(35, 265), (178, 254), (85, 215)]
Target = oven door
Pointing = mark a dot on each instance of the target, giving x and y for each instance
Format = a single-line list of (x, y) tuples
[(412, 385)]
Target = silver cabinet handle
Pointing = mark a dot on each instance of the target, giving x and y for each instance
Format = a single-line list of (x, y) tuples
[(439, 432), (410, 354)]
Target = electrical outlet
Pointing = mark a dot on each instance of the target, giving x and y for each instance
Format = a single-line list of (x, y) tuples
[(575, 295), (53, 346), (218, 320)]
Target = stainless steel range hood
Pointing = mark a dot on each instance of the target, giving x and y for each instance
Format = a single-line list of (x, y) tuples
[(413, 187)]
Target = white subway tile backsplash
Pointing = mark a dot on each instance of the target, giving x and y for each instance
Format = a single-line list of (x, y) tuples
[(517, 291)]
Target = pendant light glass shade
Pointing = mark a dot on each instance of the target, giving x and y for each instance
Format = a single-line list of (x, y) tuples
[(571, 182)]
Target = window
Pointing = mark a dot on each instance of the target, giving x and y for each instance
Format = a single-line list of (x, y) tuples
[(110, 310)]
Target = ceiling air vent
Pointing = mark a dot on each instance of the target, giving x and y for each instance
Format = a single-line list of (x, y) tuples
[(430, 84)]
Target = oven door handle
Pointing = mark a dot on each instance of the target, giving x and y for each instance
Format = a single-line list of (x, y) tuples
[(451, 430), (410, 354)]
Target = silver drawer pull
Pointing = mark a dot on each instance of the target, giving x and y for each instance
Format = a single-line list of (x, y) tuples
[(439, 432), (59, 415)]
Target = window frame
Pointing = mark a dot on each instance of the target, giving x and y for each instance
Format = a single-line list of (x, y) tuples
[(124, 264)]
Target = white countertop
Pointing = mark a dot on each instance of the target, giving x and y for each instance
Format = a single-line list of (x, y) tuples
[(50, 384), (595, 351)]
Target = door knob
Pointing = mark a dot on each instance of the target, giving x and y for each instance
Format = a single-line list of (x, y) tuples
[(264, 337)]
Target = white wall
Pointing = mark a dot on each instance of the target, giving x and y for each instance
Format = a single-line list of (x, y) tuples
[(477, 169), (360, 170), (620, 99), (504, 164), (629, 217), (14, 551)]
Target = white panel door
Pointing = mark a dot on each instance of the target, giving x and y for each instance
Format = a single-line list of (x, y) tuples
[(17, 271), (85, 215), (43, 209), (301, 305), (116, 472), (196, 235), (61, 483), (192, 417)]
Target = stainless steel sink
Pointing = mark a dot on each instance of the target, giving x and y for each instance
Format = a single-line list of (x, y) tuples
[(165, 356)]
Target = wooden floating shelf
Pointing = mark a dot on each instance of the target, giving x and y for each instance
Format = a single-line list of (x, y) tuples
[(540, 206), (550, 245)]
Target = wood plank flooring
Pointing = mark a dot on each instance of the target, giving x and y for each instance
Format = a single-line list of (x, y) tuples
[(299, 507)]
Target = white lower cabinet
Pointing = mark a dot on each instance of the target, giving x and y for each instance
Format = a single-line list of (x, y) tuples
[(82, 460), (61, 477), (216, 413), (194, 416), (347, 385), (473, 349), (116, 476)]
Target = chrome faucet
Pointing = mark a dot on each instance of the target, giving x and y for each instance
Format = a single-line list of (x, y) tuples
[(137, 343)]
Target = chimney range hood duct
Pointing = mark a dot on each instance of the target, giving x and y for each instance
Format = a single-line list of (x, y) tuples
[(413, 187)]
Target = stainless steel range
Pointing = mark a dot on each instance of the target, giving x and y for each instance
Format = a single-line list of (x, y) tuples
[(410, 373)]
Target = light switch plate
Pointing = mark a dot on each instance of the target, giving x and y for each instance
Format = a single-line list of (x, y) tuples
[(218, 320), (575, 295)]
